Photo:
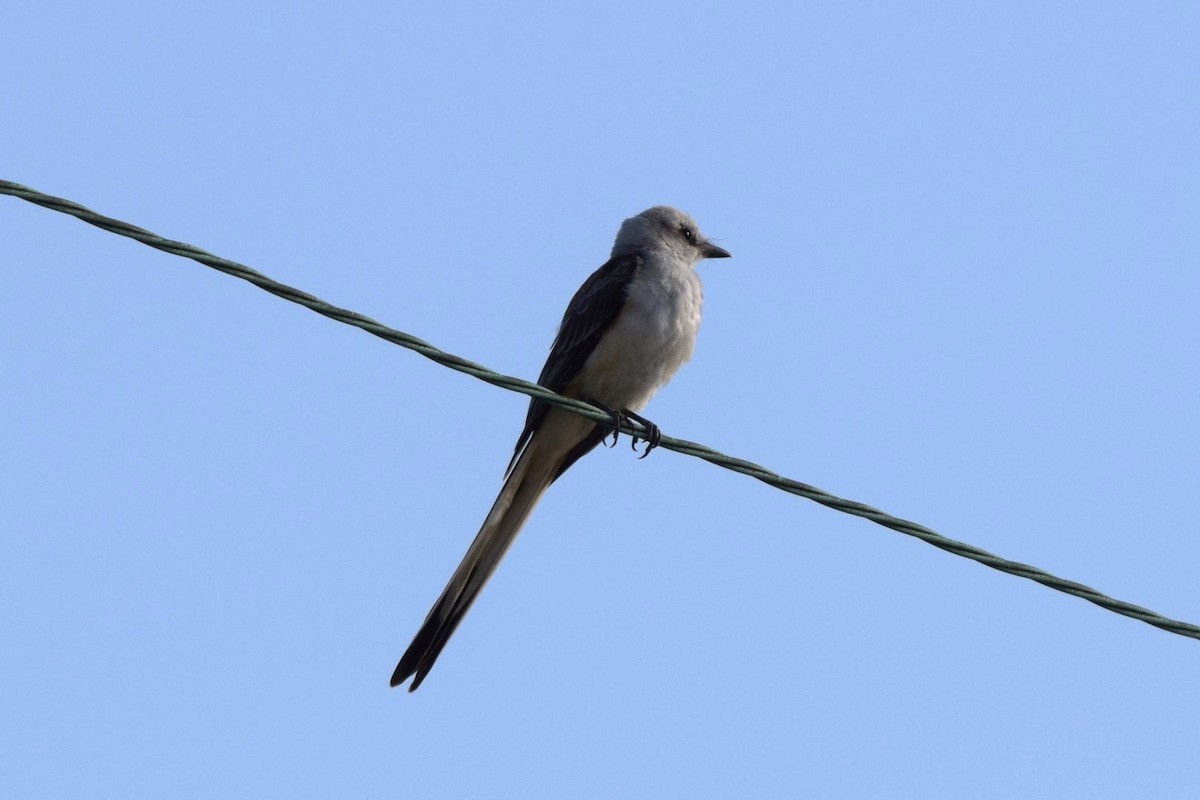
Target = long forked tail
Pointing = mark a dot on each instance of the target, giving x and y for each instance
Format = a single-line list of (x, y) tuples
[(533, 472)]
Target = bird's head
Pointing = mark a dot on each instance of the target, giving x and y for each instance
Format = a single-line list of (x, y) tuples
[(669, 229)]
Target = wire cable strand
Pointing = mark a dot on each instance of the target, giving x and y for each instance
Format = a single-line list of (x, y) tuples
[(591, 412)]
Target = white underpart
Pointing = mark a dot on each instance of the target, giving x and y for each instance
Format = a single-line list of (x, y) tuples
[(651, 338)]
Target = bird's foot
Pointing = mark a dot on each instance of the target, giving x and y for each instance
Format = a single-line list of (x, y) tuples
[(653, 434), (617, 418)]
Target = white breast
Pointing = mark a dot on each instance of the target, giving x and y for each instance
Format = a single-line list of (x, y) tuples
[(653, 336)]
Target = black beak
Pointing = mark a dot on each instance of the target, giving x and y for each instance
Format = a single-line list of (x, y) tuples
[(710, 250)]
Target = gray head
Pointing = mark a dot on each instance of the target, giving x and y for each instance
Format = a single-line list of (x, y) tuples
[(665, 228)]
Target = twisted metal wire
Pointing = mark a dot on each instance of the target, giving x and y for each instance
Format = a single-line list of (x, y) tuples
[(591, 412)]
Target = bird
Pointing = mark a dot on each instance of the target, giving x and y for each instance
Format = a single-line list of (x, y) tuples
[(624, 334)]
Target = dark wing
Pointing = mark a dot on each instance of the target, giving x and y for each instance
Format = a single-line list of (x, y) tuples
[(589, 314)]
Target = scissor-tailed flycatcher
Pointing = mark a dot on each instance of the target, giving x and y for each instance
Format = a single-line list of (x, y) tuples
[(625, 333)]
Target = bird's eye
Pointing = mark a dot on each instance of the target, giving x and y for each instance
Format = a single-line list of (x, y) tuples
[(687, 232)]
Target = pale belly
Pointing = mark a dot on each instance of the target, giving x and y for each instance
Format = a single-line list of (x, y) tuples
[(649, 341)]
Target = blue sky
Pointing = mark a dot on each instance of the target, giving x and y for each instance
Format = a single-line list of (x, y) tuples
[(964, 289)]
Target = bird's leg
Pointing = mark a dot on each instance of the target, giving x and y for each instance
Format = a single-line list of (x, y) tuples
[(653, 434), (617, 416)]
